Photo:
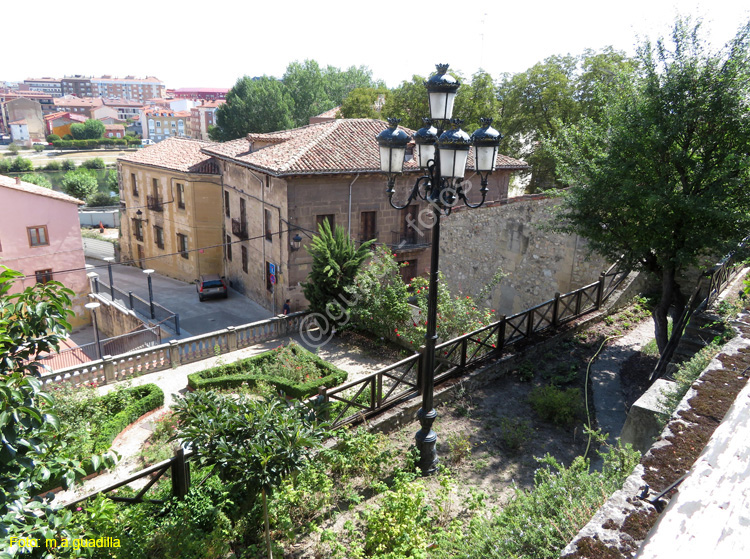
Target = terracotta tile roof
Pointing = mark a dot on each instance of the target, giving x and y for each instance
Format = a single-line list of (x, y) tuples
[(177, 154), (334, 147), (71, 101), (19, 122), (10, 182), (331, 113)]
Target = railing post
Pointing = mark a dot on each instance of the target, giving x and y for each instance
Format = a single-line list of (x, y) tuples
[(180, 475), (232, 338), (177, 324), (500, 334), (556, 310), (130, 299), (174, 353), (323, 401), (600, 291), (579, 298), (464, 351), (96, 285), (373, 393), (109, 369), (529, 323), (379, 387)]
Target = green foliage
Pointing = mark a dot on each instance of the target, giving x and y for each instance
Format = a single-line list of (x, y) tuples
[(161, 444), (68, 165), (31, 322), (67, 137), (90, 130), (95, 163), (361, 103), (305, 84), (687, 373), (52, 137), (99, 199), (21, 165), (379, 296), (37, 179), (291, 369), (556, 405), (14, 149), (459, 447), (80, 183), (663, 176), (514, 432), (38, 148), (53, 166), (538, 523), (336, 261)]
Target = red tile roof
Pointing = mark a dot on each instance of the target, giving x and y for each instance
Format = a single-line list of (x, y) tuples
[(177, 154), (10, 182), (335, 147)]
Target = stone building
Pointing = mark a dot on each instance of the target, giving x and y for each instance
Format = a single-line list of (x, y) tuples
[(172, 218), (283, 184)]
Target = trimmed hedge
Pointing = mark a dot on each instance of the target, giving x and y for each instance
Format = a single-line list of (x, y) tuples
[(249, 371), (147, 398)]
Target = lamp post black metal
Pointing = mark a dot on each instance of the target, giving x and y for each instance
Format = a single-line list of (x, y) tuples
[(442, 156), (150, 293)]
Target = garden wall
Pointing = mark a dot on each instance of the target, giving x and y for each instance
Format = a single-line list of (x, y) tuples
[(509, 235)]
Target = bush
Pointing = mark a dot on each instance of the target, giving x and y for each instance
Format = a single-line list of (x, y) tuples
[(4, 166), (14, 149), (100, 199), (67, 137), (39, 180), (38, 148), (21, 165), (96, 163), (556, 405), (140, 400), (80, 183), (53, 166), (290, 369), (68, 165), (52, 137)]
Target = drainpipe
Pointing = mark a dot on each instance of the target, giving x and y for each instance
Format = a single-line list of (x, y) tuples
[(349, 232)]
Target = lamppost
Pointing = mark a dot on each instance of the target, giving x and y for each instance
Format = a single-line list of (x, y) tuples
[(92, 307), (108, 260), (148, 273), (442, 156)]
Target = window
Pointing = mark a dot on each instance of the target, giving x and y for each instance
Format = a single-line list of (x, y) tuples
[(243, 250), (180, 195), (226, 203), (138, 229), (228, 248), (159, 236), (330, 218), (155, 185), (267, 222), (43, 276), (182, 244), (367, 226), (37, 236), (134, 184)]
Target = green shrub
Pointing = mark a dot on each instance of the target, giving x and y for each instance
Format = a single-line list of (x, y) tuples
[(140, 400), (67, 137), (14, 149), (99, 199), (95, 163), (53, 166), (52, 138), (514, 432), (556, 405), (38, 148), (291, 369), (68, 165), (4, 166), (21, 165), (37, 179)]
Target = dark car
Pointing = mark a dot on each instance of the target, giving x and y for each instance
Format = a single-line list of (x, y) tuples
[(211, 285)]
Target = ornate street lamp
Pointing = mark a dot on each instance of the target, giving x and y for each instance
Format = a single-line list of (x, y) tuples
[(442, 156)]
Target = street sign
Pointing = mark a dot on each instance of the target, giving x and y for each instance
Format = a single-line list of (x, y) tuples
[(272, 279), (272, 269)]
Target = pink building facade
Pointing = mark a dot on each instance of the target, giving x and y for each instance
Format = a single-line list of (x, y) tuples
[(40, 236)]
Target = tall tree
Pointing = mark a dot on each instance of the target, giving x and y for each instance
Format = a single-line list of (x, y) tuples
[(306, 85), (340, 83), (477, 99), (253, 105), (362, 102), (408, 102), (80, 183), (664, 177)]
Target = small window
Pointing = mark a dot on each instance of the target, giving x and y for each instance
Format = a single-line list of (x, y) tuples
[(159, 236), (182, 243), (330, 218), (228, 248), (38, 236), (244, 258), (267, 219), (134, 184), (180, 195), (43, 276), (155, 184), (226, 203), (138, 229)]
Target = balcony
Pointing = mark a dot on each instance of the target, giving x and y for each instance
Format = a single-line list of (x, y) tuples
[(154, 203), (239, 228), (411, 239)]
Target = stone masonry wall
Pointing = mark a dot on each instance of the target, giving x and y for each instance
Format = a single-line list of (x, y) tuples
[(508, 236)]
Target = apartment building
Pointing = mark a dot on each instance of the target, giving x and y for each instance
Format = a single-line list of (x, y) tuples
[(50, 86), (199, 93), (128, 87), (202, 118), (159, 123)]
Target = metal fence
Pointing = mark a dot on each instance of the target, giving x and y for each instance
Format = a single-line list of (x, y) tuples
[(131, 301)]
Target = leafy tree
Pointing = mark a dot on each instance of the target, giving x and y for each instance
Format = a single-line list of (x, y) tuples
[(94, 129), (68, 165), (664, 178), (408, 102), (361, 103), (52, 138), (37, 179), (100, 199), (77, 131), (477, 99), (14, 148), (31, 322), (251, 444), (95, 163), (336, 260), (80, 183), (340, 83), (253, 105), (305, 84)]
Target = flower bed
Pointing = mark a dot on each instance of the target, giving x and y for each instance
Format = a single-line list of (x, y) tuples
[(291, 369)]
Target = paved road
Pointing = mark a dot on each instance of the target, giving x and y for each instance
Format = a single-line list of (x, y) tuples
[(182, 298)]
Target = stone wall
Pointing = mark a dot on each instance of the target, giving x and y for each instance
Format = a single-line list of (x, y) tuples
[(509, 236)]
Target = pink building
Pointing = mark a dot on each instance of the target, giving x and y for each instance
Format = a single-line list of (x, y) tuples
[(40, 236)]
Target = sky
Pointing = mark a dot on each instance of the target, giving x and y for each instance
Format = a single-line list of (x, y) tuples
[(213, 43)]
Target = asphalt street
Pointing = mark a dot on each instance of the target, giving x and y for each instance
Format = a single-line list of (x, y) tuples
[(182, 298)]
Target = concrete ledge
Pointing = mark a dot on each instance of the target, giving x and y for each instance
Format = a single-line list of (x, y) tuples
[(642, 425)]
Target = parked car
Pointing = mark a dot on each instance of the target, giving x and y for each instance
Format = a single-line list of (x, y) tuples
[(147, 142), (211, 285)]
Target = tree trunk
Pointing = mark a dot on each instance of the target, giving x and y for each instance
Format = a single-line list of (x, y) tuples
[(661, 312), (268, 529)]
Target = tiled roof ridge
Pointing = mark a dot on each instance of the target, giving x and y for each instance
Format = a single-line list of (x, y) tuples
[(30, 188)]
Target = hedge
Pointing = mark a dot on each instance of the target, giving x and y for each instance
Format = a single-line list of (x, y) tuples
[(91, 144), (147, 398), (250, 370)]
